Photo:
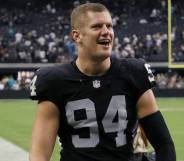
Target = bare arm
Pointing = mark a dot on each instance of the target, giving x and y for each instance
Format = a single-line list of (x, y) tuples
[(155, 127), (44, 131), (146, 104)]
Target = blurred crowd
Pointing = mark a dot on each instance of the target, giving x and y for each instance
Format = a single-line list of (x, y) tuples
[(41, 33), (22, 80), (177, 12), (34, 34), (169, 80)]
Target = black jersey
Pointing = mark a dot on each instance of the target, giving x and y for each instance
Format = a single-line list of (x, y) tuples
[(98, 117)]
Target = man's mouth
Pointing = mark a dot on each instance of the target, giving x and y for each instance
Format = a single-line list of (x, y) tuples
[(105, 42)]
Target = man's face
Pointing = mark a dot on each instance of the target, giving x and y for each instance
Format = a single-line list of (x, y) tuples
[(96, 35)]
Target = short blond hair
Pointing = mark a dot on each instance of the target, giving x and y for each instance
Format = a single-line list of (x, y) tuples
[(78, 14)]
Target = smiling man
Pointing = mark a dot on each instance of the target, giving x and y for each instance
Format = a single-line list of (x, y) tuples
[(93, 33), (95, 102)]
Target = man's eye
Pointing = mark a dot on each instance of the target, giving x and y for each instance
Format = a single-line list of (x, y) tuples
[(98, 26), (109, 26)]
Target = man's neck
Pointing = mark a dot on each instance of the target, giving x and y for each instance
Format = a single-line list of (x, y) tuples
[(93, 68)]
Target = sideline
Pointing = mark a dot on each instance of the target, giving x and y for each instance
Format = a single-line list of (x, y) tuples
[(11, 152)]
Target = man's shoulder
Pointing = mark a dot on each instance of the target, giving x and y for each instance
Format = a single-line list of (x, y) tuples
[(129, 61), (129, 64), (55, 71), (49, 80)]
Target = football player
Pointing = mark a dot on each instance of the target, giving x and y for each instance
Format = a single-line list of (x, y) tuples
[(95, 102)]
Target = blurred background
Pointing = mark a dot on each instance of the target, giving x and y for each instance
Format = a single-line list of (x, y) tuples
[(35, 33)]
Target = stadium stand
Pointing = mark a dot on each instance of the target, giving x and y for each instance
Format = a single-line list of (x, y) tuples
[(178, 31), (40, 33), (33, 32)]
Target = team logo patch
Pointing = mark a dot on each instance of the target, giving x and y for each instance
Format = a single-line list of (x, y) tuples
[(96, 84)]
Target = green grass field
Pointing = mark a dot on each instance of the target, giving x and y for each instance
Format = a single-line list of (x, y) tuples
[(16, 119)]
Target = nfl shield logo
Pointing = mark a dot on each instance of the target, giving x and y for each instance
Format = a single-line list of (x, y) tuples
[(96, 83)]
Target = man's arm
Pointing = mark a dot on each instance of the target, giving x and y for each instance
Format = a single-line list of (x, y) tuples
[(155, 127), (44, 131)]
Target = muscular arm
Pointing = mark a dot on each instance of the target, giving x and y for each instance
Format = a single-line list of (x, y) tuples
[(155, 128), (44, 131), (147, 104)]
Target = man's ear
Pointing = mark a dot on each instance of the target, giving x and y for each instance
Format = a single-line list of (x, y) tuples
[(75, 36)]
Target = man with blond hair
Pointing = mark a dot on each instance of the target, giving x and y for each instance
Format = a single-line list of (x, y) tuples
[(95, 102)]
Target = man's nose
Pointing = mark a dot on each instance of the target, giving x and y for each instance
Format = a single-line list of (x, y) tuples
[(105, 30)]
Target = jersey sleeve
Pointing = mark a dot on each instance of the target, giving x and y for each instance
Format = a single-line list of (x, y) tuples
[(141, 76), (43, 86)]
